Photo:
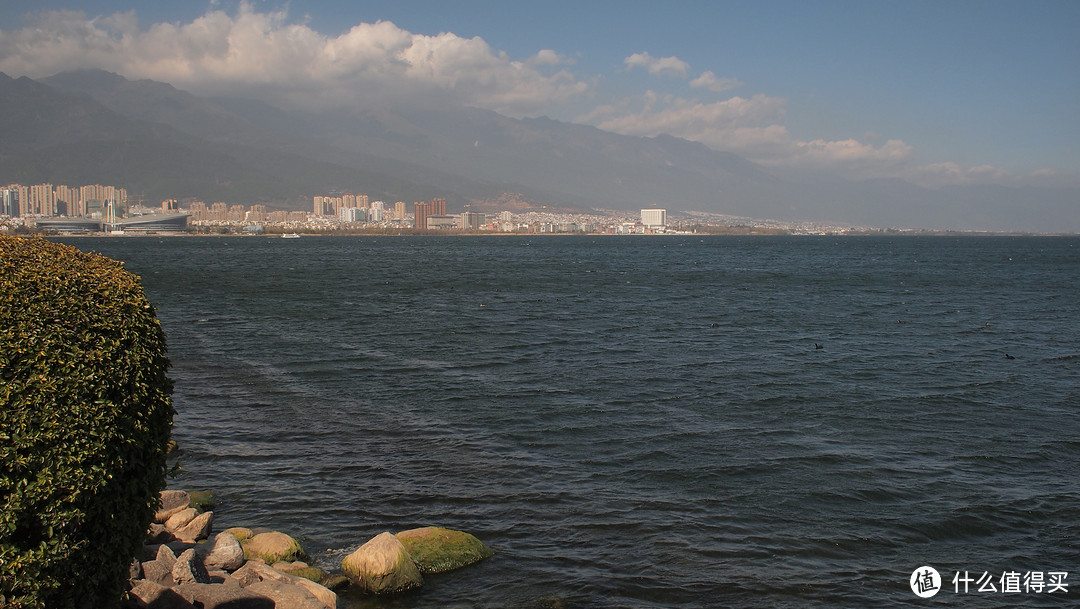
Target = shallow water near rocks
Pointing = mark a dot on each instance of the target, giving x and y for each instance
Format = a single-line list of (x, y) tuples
[(637, 421)]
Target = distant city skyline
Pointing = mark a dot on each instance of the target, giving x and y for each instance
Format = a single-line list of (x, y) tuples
[(936, 93)]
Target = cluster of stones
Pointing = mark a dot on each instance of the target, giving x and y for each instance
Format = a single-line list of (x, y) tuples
[(184, 568)]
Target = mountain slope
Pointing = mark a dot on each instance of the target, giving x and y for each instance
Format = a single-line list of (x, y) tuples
[(167, 142), (54, 136)]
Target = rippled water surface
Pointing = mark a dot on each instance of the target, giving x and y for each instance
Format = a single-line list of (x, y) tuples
[(639, 422)]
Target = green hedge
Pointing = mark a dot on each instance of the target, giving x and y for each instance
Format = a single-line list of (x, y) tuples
[(85, 416)]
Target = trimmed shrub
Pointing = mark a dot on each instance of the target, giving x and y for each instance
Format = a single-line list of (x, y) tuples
[(85, 416)]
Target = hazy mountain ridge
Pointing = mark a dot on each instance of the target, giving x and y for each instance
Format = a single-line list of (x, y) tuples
[(178, 144)]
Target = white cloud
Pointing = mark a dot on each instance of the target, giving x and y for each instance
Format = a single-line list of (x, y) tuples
[(750, 128), (662, 66), (710, 81), (263, 53)]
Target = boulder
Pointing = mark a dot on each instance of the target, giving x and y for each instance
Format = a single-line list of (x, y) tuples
[(240, 533), (272, 547), (228, 595), (223, 553), (165, 554), (159, 597), (382, 566), (334, 581), (158, 572), (314, 574), (189, 569), (156, 533), (203, 501), (171, 503), (437, 550), (181, 518), (197, 529), (253, 572), (285, 595)]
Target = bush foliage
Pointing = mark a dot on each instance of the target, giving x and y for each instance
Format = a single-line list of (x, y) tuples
[(85, 417)]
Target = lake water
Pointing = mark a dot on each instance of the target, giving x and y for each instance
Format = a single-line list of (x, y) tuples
[(640, 421)]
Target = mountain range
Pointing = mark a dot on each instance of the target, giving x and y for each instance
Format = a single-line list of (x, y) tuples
[(160, 142)]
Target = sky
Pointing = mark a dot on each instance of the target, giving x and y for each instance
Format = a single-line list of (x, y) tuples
[(935, 92)]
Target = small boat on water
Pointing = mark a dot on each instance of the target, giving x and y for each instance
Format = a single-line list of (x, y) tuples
[(290, 236)]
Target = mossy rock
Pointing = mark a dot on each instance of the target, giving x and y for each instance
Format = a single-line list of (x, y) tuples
[(437, 550), (335, 581), (240, 533), (314, 574), (203, 501), (382, 566), (273, 547)]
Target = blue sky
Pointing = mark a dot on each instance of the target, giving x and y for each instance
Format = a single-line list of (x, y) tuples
[(935, 92)]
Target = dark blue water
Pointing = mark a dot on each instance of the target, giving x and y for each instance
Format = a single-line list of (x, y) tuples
[(639, 422)]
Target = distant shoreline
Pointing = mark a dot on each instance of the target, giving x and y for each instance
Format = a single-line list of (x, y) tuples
[(746, 233)]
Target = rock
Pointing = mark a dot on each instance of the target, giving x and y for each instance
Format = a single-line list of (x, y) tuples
[(437, 550), (382, 566), (157, 572), (285, 595), (181, 518), (165, 555), (240, 533), (189, 569), (135, 569), (197, 529), (273, 547), (334, 581), (224, 553), (157, 596), (171, 503), (156, 534), (227, 595), (314, 574), (253, 572), (203, 501)]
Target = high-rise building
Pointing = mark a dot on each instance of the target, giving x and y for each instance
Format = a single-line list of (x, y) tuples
[(198, 210), (438, 207), (472, 220), (420, 214), (219, 211), (9, 202), (654, 218), (257, 213), (236, 213), (399, 210), (41, 200)]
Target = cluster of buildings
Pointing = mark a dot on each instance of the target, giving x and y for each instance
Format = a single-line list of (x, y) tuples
[(46, 200), (100, 208)]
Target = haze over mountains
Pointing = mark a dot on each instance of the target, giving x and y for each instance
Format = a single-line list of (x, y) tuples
[(160, 142)]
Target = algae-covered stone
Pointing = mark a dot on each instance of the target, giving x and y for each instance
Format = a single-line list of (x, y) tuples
[(273, 547), (203, 501), (437, 550), (301, 569), (240, 533), (382, 566), (335, 581)]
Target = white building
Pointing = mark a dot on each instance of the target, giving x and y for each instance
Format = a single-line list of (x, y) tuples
[(654, 218), (352, 214)]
